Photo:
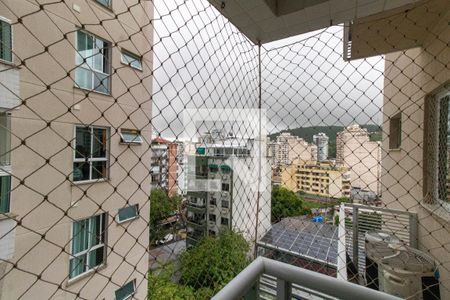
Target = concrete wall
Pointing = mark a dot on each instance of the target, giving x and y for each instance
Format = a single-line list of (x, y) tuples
[(409, 78), (46, 201)]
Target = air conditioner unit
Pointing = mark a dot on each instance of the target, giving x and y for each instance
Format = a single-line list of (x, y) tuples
[(377, 247), (397, 269), (410, 274)]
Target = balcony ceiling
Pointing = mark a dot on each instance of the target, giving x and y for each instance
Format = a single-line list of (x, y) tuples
[(270, 20)]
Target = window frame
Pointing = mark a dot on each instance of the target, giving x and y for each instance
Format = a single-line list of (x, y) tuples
[(4, 174), (431, 180), (104, 232), (90, 159), (91, 69), (438, 99), (119, 221), (136, 57), (130, 295), (134, 142), (8, 21), (103, 5), (395, 143)]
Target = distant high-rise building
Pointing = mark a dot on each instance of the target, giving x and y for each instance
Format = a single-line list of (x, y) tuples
[(287, 148), (355, 151), (321, 141), (164, 165)]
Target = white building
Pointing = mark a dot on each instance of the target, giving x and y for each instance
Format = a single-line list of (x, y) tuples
[(321, 141), (287, 148), (225, 193)]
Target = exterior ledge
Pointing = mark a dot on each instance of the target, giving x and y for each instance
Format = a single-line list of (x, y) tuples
[(440, 209)]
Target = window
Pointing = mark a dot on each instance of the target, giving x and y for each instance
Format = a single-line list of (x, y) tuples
[(443, 147), (127, 213), (5, 41), (395, 131), (212, 218), (437, 147), (130, 136), (126, 291), (225, 204), (212, 201), (224, 221), (91, 153), (225, 187), (94, 63), (88, 245), (5, 139), (131, 60), (107, 3), (5, 193)]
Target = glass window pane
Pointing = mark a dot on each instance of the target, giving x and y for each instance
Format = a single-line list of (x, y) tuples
[(106, 3), (130, 136), (82, 142), (96, 257), (99, 143), (126, 291), (5, 41), (5, 192), (83, 78), (101, 82), (99, 170), (81, 171), (80, 236), (77, 266), (5, 139), (128, 213), (132, 60)]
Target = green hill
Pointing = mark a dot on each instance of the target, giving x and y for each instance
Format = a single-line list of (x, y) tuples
[(307, 134)]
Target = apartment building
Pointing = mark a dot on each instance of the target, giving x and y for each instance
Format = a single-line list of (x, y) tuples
[(74, 110), (164, 165), (219, 197), (185, 149), (355, 151), (415, 147), (286, 148), (321, 141), (317, 178)]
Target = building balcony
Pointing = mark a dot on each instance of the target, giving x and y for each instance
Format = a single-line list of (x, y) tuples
[(196, 222), (269, 279)]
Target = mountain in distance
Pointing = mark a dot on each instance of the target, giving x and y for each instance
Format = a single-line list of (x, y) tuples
[(307, 133)]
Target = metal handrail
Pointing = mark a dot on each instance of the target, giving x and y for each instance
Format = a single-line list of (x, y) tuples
[(287, 275)]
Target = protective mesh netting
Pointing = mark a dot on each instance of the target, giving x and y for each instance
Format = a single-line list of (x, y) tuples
[(149, 149)]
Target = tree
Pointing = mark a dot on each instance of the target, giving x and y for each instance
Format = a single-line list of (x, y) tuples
[(214, 261), (161, 286), (285, 203), (203, 270), (161, 207)]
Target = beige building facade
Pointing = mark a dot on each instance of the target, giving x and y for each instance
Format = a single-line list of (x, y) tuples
[(287, 148), (317, 178), (79, 154), (355, 151)]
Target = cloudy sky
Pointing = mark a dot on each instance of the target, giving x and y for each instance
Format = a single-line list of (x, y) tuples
[(201, 61)]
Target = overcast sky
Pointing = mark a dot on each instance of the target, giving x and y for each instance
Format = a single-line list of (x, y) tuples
[(202, 61)]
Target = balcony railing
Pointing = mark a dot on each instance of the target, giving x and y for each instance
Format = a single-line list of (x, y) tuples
[(292, 282)]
